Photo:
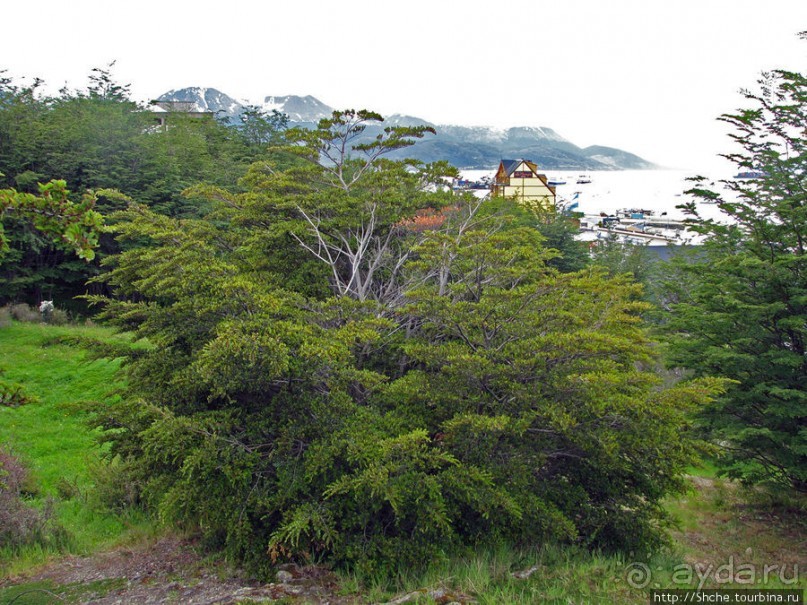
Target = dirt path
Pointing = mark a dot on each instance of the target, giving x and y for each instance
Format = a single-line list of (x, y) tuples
[(170, 570)]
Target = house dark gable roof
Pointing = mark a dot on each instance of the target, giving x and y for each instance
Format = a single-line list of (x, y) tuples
[(510, 166)]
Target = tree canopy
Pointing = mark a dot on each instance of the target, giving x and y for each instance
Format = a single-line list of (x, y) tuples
[(97, 140), (76, 225), (742, 310)]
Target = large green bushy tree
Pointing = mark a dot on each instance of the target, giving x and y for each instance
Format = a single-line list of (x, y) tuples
[(327, 379), (742, 313)]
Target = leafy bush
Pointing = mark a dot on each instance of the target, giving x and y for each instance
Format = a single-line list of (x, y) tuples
[(21, 523), (57, 317), (115, 486), (23, 312), (426, 391)]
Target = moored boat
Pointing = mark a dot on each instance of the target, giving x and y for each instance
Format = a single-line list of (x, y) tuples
[(634, 213)]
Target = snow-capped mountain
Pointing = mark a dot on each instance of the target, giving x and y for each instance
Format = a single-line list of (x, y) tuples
[(463, 146), (299, 109), (205, 99)]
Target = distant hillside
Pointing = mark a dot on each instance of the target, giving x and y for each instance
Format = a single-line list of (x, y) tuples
[(616, 157), (463, 146)]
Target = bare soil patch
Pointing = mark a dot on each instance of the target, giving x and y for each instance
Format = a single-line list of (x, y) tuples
[(173, 570)]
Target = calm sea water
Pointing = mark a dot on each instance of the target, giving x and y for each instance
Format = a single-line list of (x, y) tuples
[(657, 190)]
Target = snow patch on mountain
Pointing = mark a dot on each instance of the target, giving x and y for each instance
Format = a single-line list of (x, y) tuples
[(475, 134), (205, 99), (299, 109), (398, 119), (607, 160)]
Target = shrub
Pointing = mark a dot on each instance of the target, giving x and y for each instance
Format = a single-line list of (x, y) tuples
[(514, 407), (738, 308), (21, 523), (57, 317), (68, 489), (116, 488), (23, 312)]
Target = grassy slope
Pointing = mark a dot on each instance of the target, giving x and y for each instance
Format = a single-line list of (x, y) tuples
[(721, 524), (51, 436), (716, 525)]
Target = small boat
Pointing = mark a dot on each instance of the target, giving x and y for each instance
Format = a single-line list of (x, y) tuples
[(634, 213), (583, 179), (556, 180)]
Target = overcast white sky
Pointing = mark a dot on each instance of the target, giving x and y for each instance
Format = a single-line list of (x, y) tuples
[(647, 76)]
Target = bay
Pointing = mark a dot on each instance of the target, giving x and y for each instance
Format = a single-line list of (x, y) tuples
[(659, 191)]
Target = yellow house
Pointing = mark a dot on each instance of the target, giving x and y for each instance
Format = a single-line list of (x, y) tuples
[(519, 179)]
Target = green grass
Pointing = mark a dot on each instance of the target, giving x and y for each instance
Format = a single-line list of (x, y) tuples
[(706, 468), (51, 435), (725, 538), (733, 532), (555, 574), (47, 593)]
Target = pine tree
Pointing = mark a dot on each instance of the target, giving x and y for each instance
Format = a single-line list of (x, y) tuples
[(743, 312)]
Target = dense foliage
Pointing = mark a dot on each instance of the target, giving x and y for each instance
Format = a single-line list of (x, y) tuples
[(97, 140), (76, 225), (333, 377), (740, 310)]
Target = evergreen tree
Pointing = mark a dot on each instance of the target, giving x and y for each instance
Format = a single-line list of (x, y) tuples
[(330, 380), (742, 313)]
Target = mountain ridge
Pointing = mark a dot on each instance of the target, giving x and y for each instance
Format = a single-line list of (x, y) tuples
[(468, 147)]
